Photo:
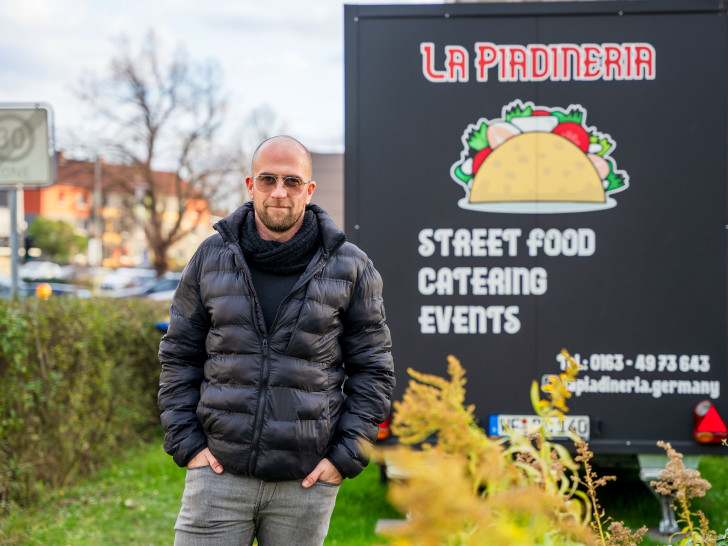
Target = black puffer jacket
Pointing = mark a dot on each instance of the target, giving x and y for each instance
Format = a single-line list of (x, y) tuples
[(270, 404)]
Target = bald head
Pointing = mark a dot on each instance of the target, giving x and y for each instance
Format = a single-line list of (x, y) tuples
[(283, 144)]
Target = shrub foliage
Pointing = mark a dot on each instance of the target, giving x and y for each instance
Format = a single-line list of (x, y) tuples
[(78, 379)]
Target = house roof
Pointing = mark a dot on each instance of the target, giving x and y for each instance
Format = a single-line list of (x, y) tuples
[(123, 178)]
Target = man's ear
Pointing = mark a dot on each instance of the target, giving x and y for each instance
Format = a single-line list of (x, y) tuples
[(249, 185), (309, 191)]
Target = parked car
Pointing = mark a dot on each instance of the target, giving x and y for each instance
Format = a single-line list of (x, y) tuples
[(40, 270), (160, 289), (126, 277), (30, 289)]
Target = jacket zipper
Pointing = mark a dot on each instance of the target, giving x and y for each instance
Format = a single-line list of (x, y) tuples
[(265, 363), (258, 425)]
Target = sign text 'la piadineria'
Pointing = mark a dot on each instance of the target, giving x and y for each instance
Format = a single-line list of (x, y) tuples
[(539, 62)]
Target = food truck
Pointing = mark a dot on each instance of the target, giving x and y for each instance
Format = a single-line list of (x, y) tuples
[(535, 176)]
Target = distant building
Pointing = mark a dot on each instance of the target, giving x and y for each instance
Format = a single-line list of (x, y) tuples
[(328, 172), (118, 221)]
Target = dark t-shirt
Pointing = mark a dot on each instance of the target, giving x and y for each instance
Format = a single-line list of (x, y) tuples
[(271, 290)]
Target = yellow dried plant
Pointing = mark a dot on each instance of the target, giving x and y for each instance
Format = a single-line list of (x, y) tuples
[(464, 488)]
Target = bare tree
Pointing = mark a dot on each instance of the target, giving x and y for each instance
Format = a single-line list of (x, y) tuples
[(260, 124), (162, 115)]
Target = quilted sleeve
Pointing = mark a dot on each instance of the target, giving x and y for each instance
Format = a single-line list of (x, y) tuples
[(182, 355), (369, 384)]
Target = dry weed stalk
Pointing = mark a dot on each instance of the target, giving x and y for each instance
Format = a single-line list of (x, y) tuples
[(617, 533), (469, 489), (682, 484)]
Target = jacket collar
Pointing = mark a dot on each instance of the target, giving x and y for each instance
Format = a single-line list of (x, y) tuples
[(331, 236)]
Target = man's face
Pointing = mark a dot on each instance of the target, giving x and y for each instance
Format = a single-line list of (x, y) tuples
[(279, 212)]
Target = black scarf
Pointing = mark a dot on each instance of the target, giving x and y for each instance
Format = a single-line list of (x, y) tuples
[(285, 258)]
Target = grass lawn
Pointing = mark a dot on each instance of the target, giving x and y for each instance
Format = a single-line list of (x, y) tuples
[(135, 501)]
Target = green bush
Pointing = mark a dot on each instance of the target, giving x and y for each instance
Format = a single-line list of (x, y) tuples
[(78, 379)]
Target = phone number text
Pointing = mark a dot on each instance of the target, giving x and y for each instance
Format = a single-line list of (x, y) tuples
[(601, 362)]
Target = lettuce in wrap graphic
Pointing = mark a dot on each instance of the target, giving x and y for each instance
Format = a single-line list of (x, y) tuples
[(537, 160)]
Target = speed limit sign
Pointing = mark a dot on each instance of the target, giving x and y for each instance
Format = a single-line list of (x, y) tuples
[(26, 146)]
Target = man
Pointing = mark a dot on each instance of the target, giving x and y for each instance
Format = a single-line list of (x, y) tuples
[(276, 367)]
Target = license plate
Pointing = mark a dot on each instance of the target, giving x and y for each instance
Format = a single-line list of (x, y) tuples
[(499, 424)]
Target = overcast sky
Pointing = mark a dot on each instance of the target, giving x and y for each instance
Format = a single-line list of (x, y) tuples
[(287, 54)]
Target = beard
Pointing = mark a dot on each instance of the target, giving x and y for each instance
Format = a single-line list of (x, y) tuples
[(278, 221)]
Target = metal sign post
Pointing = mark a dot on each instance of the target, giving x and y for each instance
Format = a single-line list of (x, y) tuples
[(13, 204), (27, 160)]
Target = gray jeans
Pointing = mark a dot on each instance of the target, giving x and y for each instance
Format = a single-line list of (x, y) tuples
[(225, 509)]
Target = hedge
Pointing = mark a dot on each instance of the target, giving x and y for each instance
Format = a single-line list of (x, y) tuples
[(78, 382)]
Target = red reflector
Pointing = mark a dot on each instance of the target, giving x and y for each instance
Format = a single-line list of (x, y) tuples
[(384, 430), (709, 427), (712, 422)]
